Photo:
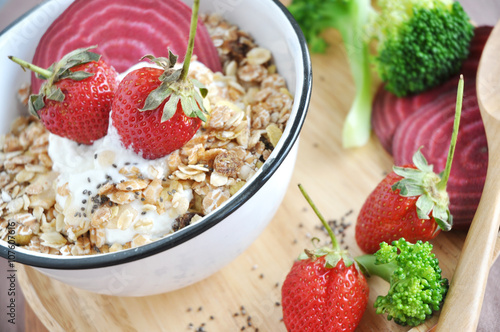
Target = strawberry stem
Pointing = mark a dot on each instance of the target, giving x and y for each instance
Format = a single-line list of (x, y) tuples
[(192, 34), (458, 110), (335, 244), (41, 71)]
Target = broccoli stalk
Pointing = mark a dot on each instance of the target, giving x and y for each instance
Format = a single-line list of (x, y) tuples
[(416, 286), (349, 17), (420, 44)]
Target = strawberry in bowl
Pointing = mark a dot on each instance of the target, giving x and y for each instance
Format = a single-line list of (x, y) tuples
[(75, 100)]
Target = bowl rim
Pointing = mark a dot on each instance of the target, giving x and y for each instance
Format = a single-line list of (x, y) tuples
[(177, 238)]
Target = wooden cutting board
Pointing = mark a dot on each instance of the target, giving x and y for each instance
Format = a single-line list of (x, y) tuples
[(245, 295)]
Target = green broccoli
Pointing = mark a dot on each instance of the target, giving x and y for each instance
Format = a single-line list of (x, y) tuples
[(416, 286), (349, 17), (419, 44)]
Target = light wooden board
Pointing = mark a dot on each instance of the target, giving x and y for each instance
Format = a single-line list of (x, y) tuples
[(338, 180)]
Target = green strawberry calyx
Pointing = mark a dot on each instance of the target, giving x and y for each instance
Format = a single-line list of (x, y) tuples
[(332, 254), (175, 83), (189, 92), (56, 72), (422, 182), (427, 185)]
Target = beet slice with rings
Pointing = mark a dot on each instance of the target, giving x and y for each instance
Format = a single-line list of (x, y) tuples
[(430, 128), (124, 30), (389, 110)]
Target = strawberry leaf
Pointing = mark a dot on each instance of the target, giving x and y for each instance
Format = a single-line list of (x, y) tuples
[(35, 104), (424, 206), (332, 259), (77, 75), (170, 107), (420, 162), (200, 115), (55, 94), (188, 106), (201, 87), (157, 97)]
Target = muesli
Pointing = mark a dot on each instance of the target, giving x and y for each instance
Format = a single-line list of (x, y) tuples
[(50, 205)]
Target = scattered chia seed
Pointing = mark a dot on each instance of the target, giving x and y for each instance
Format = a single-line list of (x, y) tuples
[(114, 166), (84, 201), (88, 179), (143, 212), (127, 163), (200, 308), (95, 156)]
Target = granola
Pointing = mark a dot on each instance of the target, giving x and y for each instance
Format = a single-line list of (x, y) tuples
[(40, 209)]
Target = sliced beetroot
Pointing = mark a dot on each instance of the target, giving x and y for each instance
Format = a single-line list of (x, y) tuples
[(388, 110), (124, 31), (430, 128)]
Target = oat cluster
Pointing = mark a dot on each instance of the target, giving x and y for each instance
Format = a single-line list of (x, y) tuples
[(249, 105)]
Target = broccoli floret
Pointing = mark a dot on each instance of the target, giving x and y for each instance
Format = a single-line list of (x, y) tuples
[(421, 43), (416, 286)]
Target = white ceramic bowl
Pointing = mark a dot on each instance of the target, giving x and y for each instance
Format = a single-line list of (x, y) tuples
[(197, 251)]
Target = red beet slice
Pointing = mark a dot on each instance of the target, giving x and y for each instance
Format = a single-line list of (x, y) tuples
[(124, 31), (389, 110), (431, 127)]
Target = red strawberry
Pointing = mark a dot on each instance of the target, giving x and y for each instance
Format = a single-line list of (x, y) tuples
[(411, 202), (144, 131), (157, 111), (386, 215), (76, 99), (324, 291)]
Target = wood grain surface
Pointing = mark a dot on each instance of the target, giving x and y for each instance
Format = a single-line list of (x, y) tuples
[(248, 289)]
